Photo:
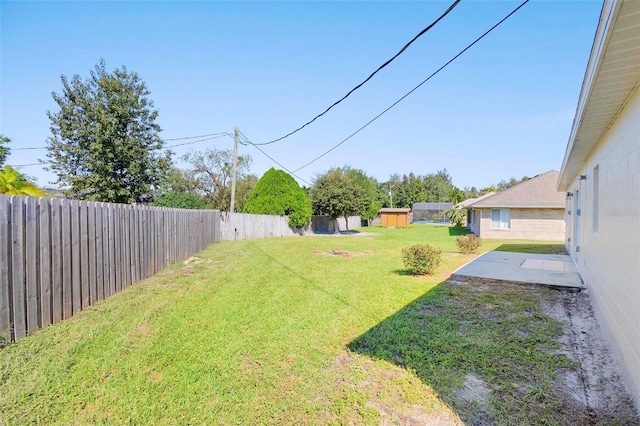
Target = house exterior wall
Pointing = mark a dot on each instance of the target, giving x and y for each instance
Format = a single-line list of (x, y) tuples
[(607, 255), (473, 220), (525, 224)]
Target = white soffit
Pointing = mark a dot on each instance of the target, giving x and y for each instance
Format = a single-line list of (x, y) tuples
[(613, 73)]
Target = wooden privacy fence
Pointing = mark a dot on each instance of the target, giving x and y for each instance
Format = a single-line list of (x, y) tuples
[(243, 226), (59, 256)]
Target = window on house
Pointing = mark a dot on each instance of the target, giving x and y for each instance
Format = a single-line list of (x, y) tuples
[(500, 219), (596, 197)]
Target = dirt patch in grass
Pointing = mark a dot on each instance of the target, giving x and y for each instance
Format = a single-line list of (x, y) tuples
[(343, 253), (505, 353)]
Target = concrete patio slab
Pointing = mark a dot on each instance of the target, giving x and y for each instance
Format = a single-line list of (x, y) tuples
[(555, 270)]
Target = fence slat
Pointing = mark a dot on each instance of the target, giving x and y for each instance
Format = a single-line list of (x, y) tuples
[(84, 255), (126, 234), (5, 268), (17, 288), (76, 275), (44, 256), (99, 252), (67, 283), (106, 251), (91, 247), (113, 260), (57, 260), (32, 266)]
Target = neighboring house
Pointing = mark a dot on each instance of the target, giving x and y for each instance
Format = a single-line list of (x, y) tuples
[(464, 205), (601, 178), (395, 218), (532, 210)]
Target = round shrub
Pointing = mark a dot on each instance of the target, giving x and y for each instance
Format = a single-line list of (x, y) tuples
[(422, 259), (277, 193), (468, 244)]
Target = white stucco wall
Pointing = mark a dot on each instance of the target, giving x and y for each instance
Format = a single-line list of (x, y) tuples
[(609, 258)]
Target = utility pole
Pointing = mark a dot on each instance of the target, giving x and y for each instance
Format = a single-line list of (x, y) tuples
[(390, 197), (233, 172)]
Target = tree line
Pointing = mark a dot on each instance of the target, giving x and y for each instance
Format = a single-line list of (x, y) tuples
[(105, 145)]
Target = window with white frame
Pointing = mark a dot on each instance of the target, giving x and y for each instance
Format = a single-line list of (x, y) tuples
[(500, 219)]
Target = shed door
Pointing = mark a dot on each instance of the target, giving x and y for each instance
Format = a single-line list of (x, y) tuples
[(393, 221)]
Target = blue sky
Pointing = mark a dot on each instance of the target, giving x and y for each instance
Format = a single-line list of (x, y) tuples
[(503, 109)]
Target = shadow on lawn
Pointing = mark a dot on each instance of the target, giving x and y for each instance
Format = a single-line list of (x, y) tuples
[(491, 355), (456, 231), (404, 272)]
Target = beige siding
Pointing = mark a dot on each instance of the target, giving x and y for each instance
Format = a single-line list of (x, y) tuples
[(609, 258), (526, 224)]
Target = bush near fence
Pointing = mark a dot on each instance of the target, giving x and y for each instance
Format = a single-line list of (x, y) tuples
[(59, 256)]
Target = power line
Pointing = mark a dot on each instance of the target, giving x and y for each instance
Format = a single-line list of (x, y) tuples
[(220, 135), (196, 137), (414, 89), (246, 141), (32, 164), (446, 12), (217, 136), (205, 138)]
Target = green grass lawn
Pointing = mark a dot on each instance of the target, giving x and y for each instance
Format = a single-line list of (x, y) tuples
[(276, 331)]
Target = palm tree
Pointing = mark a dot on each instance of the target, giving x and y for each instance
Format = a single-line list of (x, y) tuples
[(456, 216), (12, 182)]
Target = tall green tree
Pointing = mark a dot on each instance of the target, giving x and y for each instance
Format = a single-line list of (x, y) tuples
[(456, 195), (105, 143), (470, 192), (4, 149), (179, 200), (506, 184), (244, 188), (278, 193), (438, 186), (209, 175), (12, 182), (410, 190), (372, 188), (338, 194)]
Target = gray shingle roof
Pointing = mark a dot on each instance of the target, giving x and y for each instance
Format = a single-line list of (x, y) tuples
[(539, 191), (466, 203)]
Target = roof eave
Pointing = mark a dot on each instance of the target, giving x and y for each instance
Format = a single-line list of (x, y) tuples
[(512, 206), (568, 171)]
